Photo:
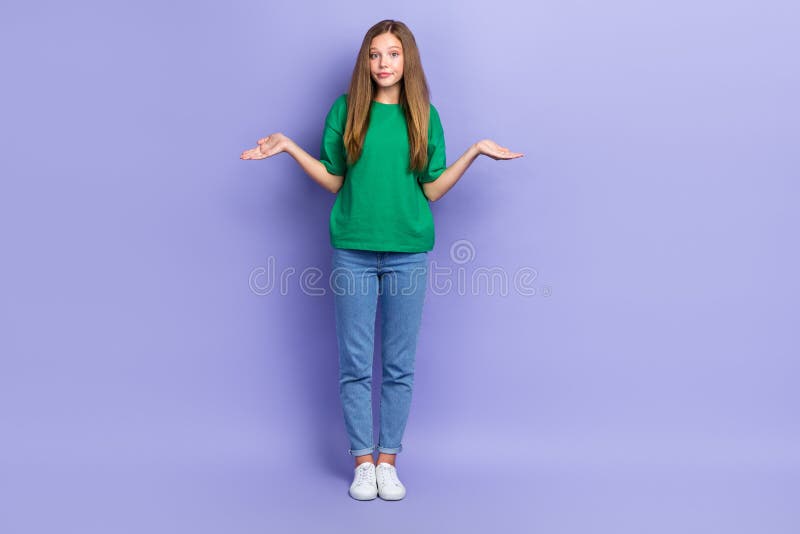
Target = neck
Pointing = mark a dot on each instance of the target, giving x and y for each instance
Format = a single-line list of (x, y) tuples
[(388, 96)]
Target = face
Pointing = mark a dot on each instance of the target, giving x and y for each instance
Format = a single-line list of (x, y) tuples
[(386, 56)]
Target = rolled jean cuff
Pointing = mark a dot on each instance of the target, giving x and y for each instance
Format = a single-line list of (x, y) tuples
[(390, 450), (362, 452)]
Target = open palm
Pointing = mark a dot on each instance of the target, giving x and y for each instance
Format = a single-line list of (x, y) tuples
[(495, 151), (266, 147)]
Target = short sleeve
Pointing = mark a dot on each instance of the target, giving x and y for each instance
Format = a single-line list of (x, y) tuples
[(332, 152), (437, 159)]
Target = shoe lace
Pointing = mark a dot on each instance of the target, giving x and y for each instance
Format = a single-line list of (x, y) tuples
[(389, 476), (365, 474)]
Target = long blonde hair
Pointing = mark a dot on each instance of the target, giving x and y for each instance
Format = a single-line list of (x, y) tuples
[(414, 96)]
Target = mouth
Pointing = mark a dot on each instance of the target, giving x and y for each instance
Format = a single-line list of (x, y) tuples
[(384, 74)]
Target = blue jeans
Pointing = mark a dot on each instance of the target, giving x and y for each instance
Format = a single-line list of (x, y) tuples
[(358, 278)]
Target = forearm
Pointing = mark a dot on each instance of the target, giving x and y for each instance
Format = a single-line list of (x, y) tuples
[(315, 168), (436, 189)]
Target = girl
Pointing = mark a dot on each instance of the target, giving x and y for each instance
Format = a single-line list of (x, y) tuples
[(383, 154)]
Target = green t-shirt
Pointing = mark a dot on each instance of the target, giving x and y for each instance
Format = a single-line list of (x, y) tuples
[(381, 205)]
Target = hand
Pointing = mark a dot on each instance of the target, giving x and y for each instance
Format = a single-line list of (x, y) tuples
[(495, 151), (268, 146)]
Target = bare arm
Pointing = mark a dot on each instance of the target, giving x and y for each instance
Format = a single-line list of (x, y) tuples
[(436, 189), (277, 143)]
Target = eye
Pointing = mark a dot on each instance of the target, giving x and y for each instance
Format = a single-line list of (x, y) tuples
[(372, 55)]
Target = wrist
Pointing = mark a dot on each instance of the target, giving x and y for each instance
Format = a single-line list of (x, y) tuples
[(290, 147), (475, 150)]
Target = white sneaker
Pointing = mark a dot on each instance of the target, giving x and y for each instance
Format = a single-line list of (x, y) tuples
[(389, 486), (364, 486)]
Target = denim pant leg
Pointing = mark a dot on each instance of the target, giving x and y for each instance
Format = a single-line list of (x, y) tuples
[(403, 280), (354, 283)]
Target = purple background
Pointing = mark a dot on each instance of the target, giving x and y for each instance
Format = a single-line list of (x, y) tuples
[(650, 384)]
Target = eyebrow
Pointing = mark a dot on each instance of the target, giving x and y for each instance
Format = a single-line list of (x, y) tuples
[(394, 46)]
